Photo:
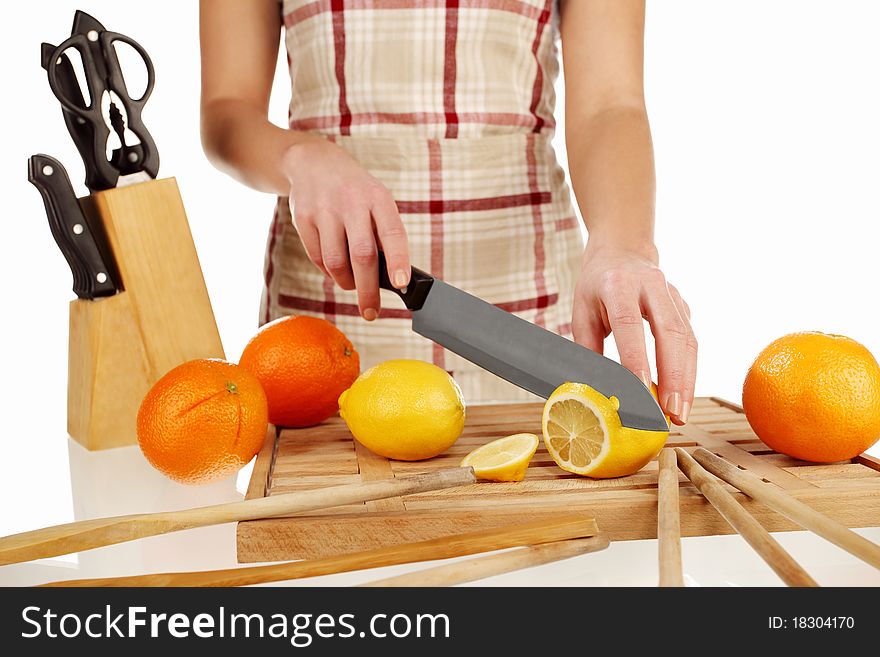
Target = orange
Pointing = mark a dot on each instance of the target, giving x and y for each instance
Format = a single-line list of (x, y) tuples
[(304, 364), (202, 421), (815, 397)]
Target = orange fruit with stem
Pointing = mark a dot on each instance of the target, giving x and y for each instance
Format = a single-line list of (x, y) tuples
[(203, 421)]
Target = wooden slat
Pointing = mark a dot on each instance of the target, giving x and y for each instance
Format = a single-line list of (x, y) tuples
[(261, 476), (725, 404), (834, 471), (714, 413), (710, 421), (754, 447), (306, 482), (730, 427), (782, 460), (373, 467), (328, 466), (868, 461), (337, 511), (740, 457), (304, 443), (705, 402)]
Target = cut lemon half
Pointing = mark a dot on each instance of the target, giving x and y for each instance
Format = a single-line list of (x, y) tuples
[(583, 433), (505, 459)]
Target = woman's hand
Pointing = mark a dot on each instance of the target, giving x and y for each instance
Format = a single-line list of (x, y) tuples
[(617, 289), (342, 214)]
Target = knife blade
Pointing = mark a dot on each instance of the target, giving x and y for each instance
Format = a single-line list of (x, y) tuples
[(84, 247), (518, 351)]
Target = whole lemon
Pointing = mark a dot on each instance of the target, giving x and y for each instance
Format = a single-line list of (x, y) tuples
[(406, 410)]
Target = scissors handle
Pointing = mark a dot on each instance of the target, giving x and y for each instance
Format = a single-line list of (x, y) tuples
[(103, 75), (81, 130), (144, 157)]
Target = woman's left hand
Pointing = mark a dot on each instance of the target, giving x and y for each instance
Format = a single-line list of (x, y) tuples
[(617, 289)]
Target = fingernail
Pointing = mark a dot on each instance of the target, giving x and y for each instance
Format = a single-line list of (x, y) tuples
[(400, 278), (646, 378), (685, 411), (673, 404), (370, 314)]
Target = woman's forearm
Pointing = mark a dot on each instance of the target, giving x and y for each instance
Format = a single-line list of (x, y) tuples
[(611, 162), (341, 212), (239, 140)]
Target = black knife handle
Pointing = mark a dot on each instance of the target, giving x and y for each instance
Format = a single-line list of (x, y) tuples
[(93, 273), (415, 293)]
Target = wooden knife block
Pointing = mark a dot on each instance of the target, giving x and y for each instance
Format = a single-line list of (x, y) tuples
[(121, 345)]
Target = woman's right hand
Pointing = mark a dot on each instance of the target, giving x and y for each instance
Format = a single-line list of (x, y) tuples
[(343, 215)]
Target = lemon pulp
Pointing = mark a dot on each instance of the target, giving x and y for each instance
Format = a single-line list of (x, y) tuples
[(505, 459), (575, 433)]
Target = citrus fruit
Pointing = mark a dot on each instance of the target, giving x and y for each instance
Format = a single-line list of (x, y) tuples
[(304, 364), (202, 421), (815, 397), (404, 409), (505, 459), (583, 433)]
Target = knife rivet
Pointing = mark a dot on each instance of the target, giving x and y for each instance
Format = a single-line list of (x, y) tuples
[(48, 171), (92, 35), (101, 277), (77, 229)]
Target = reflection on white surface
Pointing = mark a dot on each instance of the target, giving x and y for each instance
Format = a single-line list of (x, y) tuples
[(120, 481)]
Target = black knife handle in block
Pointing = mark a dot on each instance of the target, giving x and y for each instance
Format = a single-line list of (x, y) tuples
[(93, 272), (415, 293)]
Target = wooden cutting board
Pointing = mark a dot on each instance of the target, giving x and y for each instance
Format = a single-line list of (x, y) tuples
[(625, 508)]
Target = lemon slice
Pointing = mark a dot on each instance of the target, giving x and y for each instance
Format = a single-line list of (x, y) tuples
[(505, 459), (583, 433)]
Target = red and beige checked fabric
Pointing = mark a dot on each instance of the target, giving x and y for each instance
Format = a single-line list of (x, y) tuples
[(449, 104)]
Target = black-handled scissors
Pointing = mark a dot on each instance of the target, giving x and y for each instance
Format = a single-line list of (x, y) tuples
[(85, 121)]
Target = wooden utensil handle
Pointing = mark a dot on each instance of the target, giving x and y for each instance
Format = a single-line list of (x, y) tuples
[(495, 564), (744, 523), (790, 507), (88, 534), (556, 527), (669, 521)]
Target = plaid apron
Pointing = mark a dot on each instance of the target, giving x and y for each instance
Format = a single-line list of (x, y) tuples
[(449, 104)]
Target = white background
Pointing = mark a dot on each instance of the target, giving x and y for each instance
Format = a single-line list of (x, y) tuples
[(765, 121)]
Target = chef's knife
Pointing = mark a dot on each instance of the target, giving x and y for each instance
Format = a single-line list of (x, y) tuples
[(94, 273), (517, 350)]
